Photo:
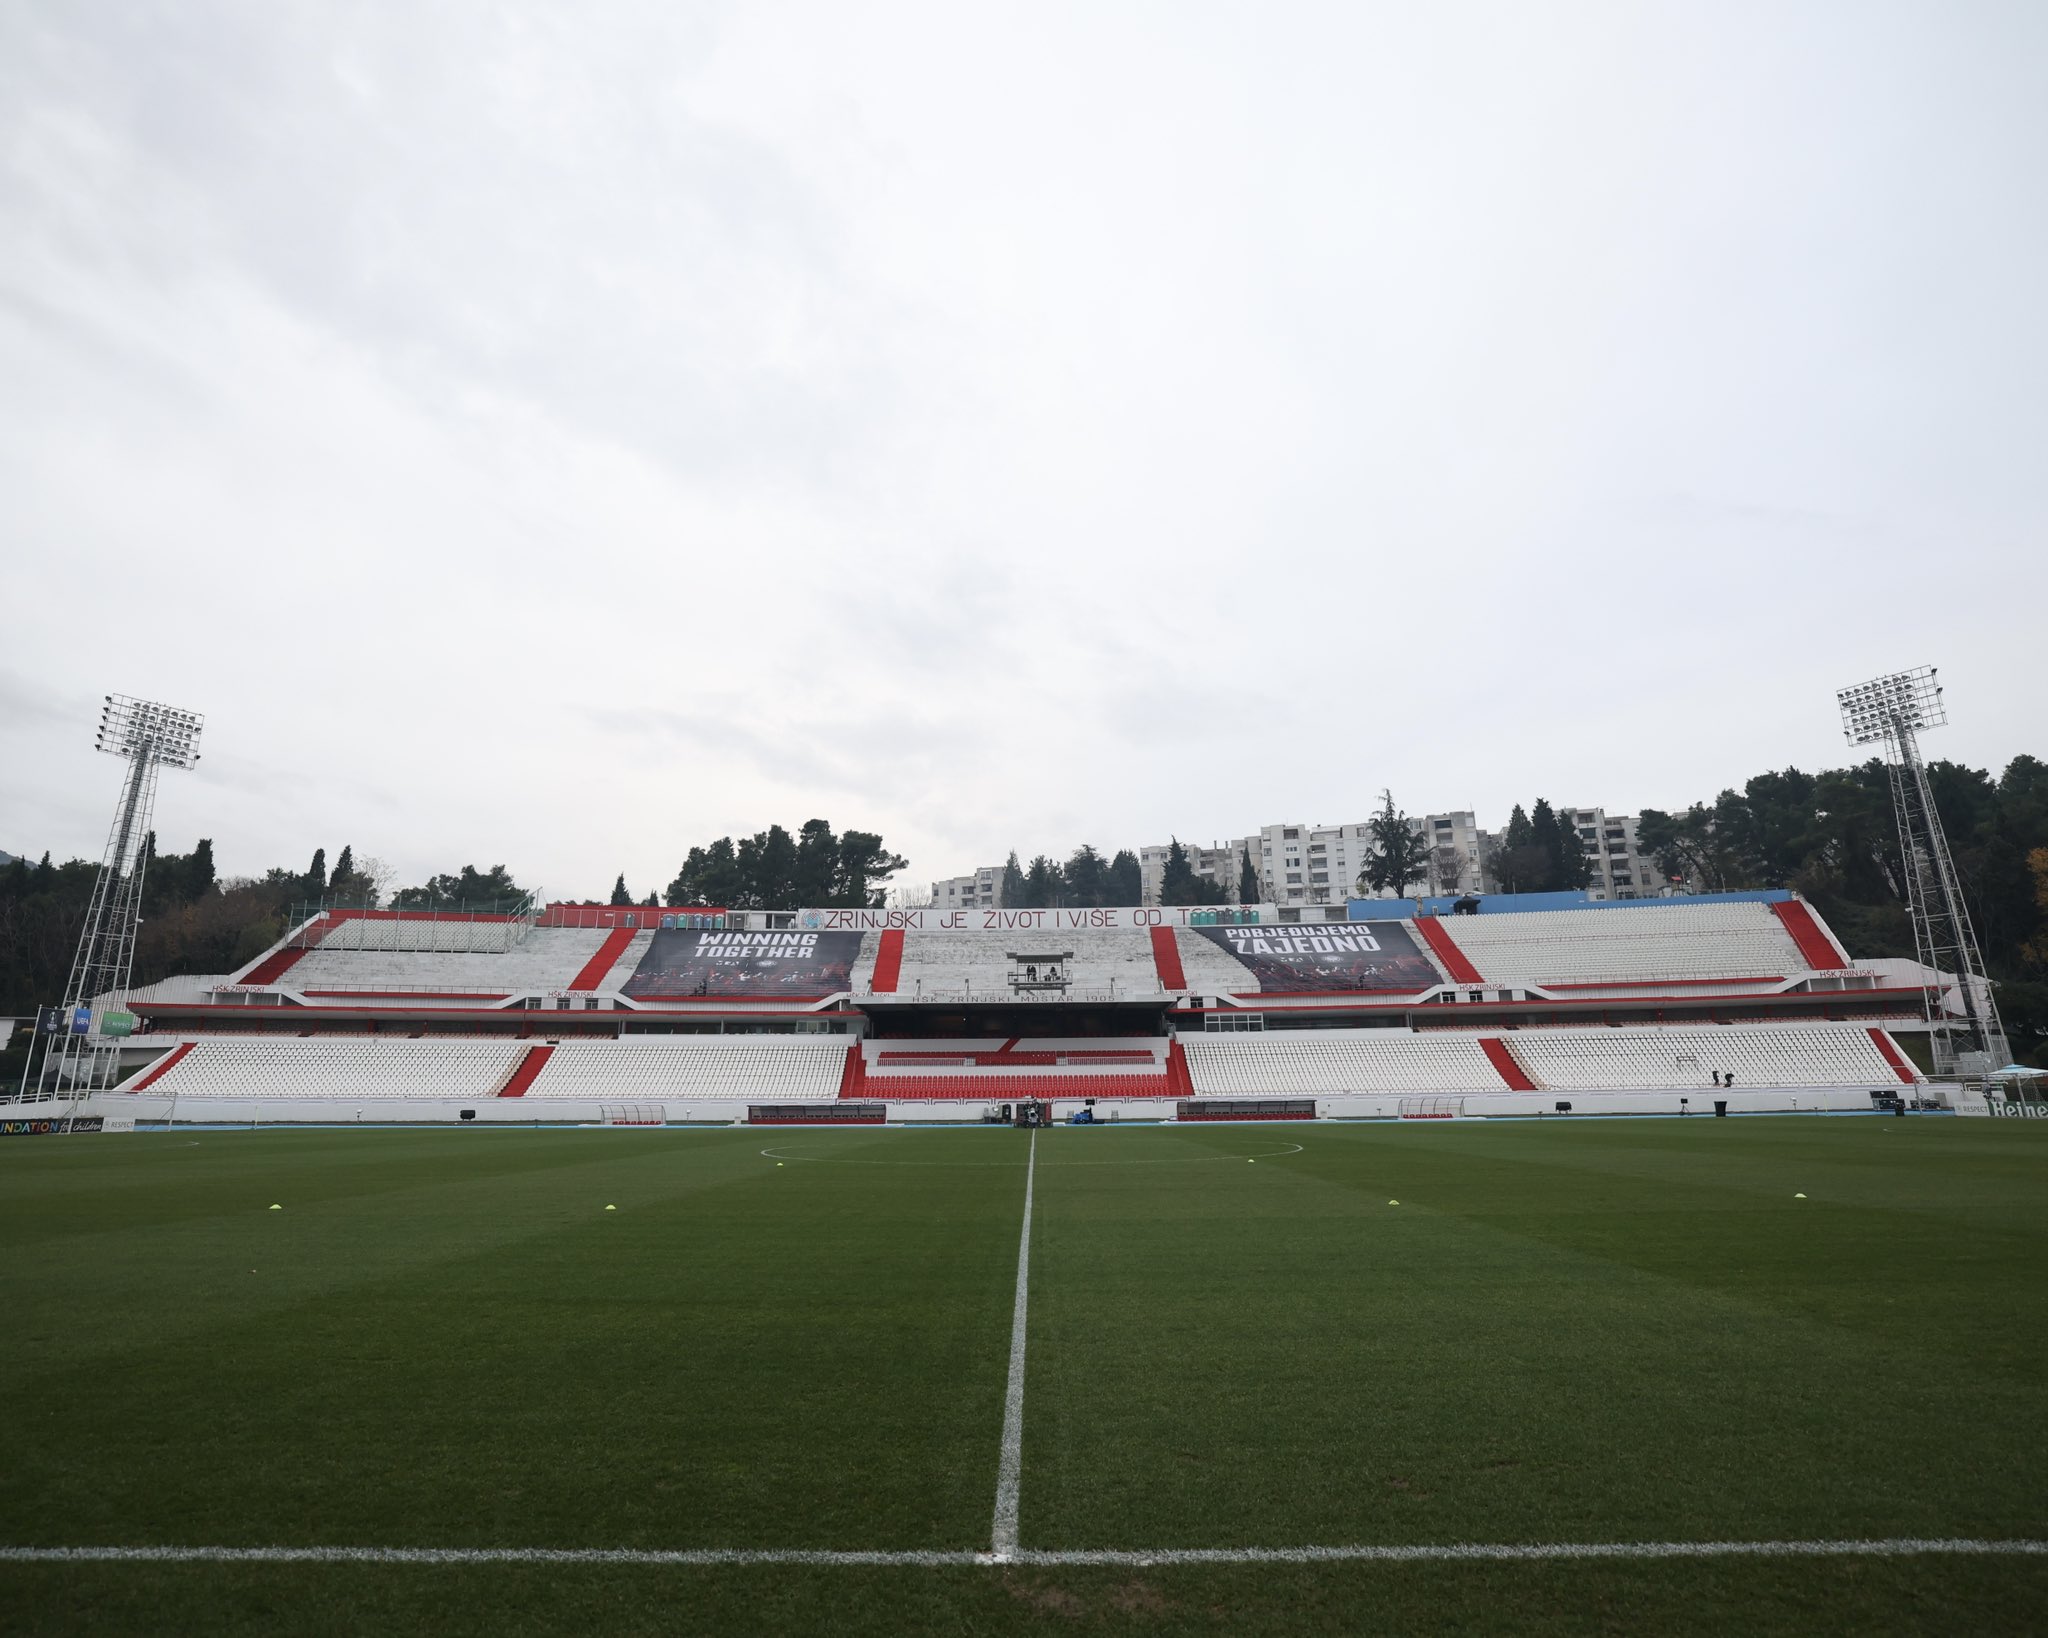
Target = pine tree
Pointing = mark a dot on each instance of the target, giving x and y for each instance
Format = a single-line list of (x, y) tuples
[(1177, 878), (1086, 877), (1247, 881), (316, 873), (1400, 852), (1543, 838), (1011, 895), (1042, 884), (619, 893), (1572, 868), (199, 872), (1126, 879)]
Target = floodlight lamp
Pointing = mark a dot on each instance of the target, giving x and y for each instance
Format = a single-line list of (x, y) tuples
[(1888, 708)]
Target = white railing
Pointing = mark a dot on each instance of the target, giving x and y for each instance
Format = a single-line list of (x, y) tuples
[(1691, 980)]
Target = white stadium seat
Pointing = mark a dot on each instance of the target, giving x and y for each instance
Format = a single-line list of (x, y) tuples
[(1676, 940)]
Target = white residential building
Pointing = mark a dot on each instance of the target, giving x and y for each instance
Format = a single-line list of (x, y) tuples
[(1301, 863), (982, 890), (1620, 869)]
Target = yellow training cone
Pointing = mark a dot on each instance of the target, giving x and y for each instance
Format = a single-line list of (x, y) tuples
[(1799, 1197), (277, 1208), (611, 1208), (1393, 1202)]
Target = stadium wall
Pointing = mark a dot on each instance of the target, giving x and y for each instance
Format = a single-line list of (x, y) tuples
[(153, 1109)]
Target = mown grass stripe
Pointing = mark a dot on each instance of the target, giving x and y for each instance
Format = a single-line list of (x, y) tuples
[(1456, 1552)]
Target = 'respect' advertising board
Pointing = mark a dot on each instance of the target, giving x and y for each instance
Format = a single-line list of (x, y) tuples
[(1355, 955), (797, 963)]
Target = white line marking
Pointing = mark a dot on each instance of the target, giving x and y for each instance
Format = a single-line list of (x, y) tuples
[(1460, 1552), (1009, 1471)]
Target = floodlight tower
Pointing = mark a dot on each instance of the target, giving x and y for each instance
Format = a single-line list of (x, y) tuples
[(147, 735), (1893, 710)]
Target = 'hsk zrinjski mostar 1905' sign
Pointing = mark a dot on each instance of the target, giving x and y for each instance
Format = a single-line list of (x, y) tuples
[(1355, 955), (680, 963)]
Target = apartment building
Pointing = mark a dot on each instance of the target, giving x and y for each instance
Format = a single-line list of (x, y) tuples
[(1301, 863), (981, 890), (1620, 868)]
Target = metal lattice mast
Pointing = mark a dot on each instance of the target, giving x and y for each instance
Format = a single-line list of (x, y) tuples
[(1893, 710), (148, 736)]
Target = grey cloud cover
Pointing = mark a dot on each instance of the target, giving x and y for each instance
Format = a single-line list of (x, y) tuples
[(562, 435)]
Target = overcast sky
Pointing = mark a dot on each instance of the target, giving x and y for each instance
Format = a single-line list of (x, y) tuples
[(555, 435)]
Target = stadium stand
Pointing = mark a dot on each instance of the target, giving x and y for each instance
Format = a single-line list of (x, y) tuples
[(1686, 1059), (1327, 1062), (291, 1068), (1662, 941), (1331, 1062), (550, 958), (763, 1068), (954, 963), (1209, 969), (1637, 998)]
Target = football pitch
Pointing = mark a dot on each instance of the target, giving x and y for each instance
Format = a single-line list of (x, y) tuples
[(1584, 1376)]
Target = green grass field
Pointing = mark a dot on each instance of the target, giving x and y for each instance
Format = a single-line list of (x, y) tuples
[(1566, 1332)]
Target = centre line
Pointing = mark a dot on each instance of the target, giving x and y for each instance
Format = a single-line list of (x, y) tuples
[(1009, 1471)]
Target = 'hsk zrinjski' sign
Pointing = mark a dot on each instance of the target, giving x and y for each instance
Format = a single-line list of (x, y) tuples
[(680, 963), (1356, 955)]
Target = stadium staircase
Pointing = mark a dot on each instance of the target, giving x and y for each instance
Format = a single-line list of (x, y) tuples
[(888, 970), (1456, 964), (1502, 1057), (527, 1071), (594, 970), (281, 961), (1815, 946), (1888, 1049), (163, 1066), (1166, 960)]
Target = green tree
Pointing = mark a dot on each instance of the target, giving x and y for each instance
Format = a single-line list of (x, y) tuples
[(316, 874), (1247, 880), (1126, 879), (1515, 865), (768, 866), (1543, 838), (1179, 884), (1086, 878), (1011, 894), (620, 894), (349, 886), (1041, 884), (489, 891), (1400, 852), (865, 867), (710, 876), (1570, 868), (1177, 876), (818, 871)]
